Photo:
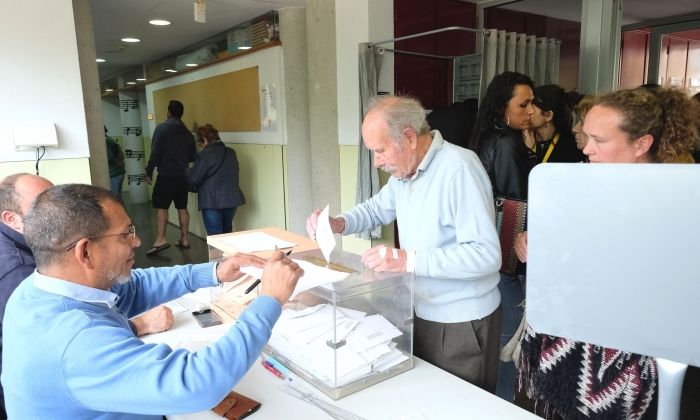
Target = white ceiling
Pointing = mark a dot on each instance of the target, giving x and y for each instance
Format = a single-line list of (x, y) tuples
[(633, 11), (116, 19)]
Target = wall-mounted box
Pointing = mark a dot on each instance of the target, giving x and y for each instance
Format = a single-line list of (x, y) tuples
[(29, 136)]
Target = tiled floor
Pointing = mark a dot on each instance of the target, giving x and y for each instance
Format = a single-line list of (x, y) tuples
[(143, 216)]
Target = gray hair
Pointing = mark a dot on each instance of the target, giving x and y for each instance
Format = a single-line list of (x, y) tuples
[(400, 112), (9, 199), (62, 215)]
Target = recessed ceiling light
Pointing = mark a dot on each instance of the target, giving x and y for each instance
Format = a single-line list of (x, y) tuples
[(100, 60), (130, 83), (171, 71), (191, 65), (243, 48), (132, 40), (109, 90), (159, 22), (141, 79)]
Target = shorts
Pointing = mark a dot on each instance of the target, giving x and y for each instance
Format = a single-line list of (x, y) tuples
[(169, 189)]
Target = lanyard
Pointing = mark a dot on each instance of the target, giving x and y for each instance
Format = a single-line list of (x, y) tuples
[(550, 148)]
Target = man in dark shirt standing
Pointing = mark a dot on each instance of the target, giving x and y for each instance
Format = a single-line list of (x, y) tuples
[(172, 149)]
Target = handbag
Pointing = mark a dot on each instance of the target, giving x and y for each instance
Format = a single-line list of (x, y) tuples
[(195, 187), (510, 220)]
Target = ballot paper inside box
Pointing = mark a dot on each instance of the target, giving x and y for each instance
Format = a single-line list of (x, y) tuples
[(345, 336)]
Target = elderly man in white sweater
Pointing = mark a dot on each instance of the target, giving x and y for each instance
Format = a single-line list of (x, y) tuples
[(441, 198)]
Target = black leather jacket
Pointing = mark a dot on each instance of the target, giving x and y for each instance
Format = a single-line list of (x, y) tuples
[(508, 163)]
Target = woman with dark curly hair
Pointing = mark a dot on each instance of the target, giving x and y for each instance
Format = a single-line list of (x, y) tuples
[(505, 112), (564, 379)]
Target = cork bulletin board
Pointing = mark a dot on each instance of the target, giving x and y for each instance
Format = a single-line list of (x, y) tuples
[(230, 102)]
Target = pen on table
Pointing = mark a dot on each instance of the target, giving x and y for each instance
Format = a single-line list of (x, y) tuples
[(280, 367), (256, 282), (268, 366)]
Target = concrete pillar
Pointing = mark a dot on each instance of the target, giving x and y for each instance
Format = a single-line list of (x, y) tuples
[(323, 106), (599, 55), (99, 170), (292, 22)]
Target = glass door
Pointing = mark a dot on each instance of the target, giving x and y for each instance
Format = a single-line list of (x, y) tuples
[(675, 56)]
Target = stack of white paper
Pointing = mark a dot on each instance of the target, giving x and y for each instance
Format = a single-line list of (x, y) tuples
[(304, 336)]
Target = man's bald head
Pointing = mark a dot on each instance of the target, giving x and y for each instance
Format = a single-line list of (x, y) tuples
[(16, 195)]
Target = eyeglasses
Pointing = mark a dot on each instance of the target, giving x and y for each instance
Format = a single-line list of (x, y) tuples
[(130, 232)]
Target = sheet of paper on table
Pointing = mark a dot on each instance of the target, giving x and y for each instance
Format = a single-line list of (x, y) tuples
[(313, 276), (251, 242)]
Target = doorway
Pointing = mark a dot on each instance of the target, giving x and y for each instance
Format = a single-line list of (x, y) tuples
[(668, 55)]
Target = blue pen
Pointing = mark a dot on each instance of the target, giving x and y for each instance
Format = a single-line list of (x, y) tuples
[(280, 367)]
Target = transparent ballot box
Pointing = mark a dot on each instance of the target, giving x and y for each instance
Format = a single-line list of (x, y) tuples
[(349, 334)]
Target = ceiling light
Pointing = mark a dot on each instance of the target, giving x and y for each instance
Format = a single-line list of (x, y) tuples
[(141, 79), (100, 60), (171, 71), (130, 83), (191, 65), (159, 22), (132, 40), (109, 90)]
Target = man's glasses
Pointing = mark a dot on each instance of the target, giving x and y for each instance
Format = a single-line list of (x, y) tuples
[(130, 232)]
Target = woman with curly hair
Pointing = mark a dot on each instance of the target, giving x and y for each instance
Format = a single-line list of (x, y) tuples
[(559, 378)]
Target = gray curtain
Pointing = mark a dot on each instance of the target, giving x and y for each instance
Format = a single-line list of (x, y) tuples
[(367, 176), (527, 54)]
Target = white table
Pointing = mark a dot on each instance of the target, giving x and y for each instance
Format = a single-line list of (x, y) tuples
[(423, 393)]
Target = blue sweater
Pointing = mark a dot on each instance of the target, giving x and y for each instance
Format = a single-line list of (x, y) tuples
[(445, 213), (70, 354), (17, 263)]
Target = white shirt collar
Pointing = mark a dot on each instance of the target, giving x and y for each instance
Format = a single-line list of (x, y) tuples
[(74, 290)]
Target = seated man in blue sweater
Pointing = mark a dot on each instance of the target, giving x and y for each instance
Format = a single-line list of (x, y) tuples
[(440, 196), (69, 352)]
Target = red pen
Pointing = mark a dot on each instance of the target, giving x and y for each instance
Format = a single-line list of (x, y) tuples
[(267, 365)]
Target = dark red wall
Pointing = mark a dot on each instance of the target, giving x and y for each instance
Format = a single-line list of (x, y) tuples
[(428, 79)]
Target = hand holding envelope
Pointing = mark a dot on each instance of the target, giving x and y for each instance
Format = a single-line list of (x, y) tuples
[(321, 227)]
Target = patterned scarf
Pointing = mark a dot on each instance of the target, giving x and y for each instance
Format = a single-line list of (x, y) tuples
[(583, 381)]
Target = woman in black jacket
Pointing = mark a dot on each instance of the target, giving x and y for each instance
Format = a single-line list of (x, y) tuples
[(214, 176), (504, 114)]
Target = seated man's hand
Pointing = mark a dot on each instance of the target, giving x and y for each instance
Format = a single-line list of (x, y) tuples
[(521, 246), (280, 277), (155, 320), (230, 269), (382, 258), (337, 224)]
